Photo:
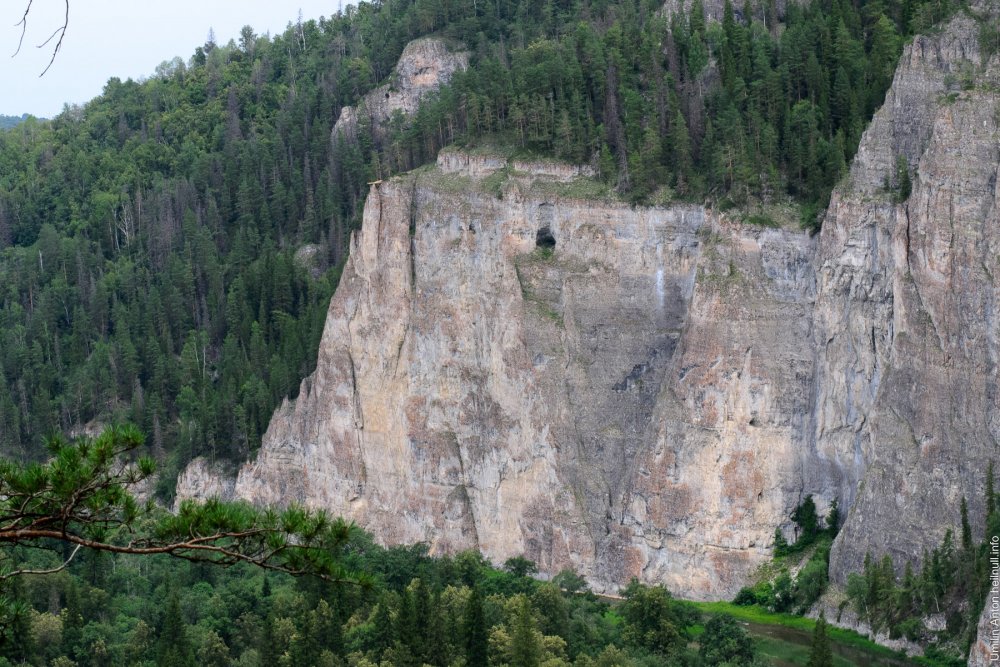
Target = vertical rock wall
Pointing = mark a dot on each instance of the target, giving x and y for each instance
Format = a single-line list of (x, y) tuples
[(542, 375), (515, 365), (906, 311)]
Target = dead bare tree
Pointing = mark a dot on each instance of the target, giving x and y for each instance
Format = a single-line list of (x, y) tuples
[(59, 33)]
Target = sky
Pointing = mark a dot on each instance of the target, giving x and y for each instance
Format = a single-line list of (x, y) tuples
[(123, 38)]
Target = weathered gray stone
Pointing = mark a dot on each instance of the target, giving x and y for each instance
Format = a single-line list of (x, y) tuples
[(202, 480), (629, 406), (714, 9), (654, 397), (424, 66), (906, 310)]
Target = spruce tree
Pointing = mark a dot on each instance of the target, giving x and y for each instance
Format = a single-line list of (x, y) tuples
[(383, 636), (408, 637), (436, 639), (679, 146), (173, 648), (907, 592), (525, 647), (806, 518), (696, 19), (476, 632), (833, 519), (267, 643), (966, 528), (820, 655)]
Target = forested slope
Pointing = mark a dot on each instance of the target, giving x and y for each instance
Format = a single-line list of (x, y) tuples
[(169, 249), (7, 122), (158, 262)]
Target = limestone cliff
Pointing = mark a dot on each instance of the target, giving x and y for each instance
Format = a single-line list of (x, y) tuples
[(985, 650), (424, 66), (517, 363), (906, 311), (714, 9), (509, 366)]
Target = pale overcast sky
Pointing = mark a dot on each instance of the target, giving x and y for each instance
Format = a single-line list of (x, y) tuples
[(123, 38)]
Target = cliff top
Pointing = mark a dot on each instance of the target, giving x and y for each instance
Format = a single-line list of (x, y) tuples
[(507, 172)]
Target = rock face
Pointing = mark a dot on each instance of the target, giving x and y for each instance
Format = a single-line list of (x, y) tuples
[(985, 650), (906, 323), (595, 386), (424, 66), (906, 312), (514, 363), (714, 9), (202, 480)]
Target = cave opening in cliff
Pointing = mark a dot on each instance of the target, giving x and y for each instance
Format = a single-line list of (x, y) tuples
[(544, 238)]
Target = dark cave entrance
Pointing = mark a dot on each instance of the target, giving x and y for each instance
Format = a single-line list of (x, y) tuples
[(544, 238)]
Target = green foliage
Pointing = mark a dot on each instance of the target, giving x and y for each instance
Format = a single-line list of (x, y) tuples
[(808, 527), (168, 611), (761, 593), (808, 521), (781, 592), (654, 621), (780, 543), (525, 648), (833, 519), (821, 655), (725, 642), (952, 581), (173, 648), (758, 615), (902, 179), (811, 580), (148, 250), (476, 632), (80, 499), (7, 122)]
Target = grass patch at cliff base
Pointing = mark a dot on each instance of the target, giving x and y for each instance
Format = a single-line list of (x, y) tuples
[(756, 614)]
